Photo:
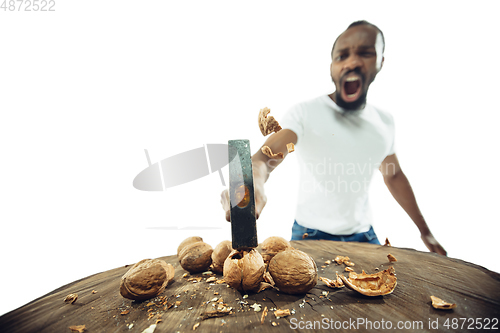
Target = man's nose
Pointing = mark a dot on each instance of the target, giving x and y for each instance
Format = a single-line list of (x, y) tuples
[(352, 62)]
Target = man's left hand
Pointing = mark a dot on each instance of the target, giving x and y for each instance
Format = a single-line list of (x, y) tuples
[(432, 244)]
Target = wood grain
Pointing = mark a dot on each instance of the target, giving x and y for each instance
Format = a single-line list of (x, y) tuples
[(474, 289)]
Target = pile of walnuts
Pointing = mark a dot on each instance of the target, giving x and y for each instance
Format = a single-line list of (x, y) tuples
[(280, 265)]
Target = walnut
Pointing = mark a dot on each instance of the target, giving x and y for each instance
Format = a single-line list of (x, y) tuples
[(381, 283), (267, 124), (219, 255), (188, 241), (244, 271), (272, 245), (196, 257), (293, 271), (146, 279)]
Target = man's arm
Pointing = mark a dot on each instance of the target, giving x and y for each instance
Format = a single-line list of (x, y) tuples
[(400, 188), (262, 167)]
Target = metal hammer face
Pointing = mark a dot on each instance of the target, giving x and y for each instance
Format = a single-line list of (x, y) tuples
[(241, 195)]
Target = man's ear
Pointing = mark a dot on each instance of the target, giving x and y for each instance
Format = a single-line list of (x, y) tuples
[(381, 64)]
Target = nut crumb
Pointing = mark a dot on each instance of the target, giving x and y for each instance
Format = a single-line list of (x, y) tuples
[(264, 314), (71, 298), (391, 258), (77, 328)]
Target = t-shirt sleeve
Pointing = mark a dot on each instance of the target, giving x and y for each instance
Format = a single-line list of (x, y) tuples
[(294, 121)]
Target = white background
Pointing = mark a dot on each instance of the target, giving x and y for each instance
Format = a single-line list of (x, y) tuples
[(85, 89)]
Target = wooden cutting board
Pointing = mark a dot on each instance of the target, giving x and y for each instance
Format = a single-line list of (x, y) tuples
[(474, 289)]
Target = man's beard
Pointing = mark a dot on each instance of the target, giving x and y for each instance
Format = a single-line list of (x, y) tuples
[(357, 104), (351, 106)]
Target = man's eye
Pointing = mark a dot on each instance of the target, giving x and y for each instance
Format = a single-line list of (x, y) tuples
[(367, 54), (341, 57)]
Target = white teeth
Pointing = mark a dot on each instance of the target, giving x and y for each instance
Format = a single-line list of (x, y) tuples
[(351, 79), (350, 96)]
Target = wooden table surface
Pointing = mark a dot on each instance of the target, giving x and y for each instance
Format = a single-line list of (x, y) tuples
[(474, 289)]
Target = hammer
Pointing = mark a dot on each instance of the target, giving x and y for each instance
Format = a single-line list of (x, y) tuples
[(241, 196)]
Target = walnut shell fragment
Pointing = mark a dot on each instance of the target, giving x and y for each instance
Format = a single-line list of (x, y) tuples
[(267, 124), (438, 303), (282, 313), (290, 147), (196, 257), (293, 271), (381, 283), (272, 246), (71, 298), (391, 258), (77, 328), (387, 243), (341, 260), (187, 241), (337, 283), (269, 153), (219, 256), (244, 271), (146, 279)]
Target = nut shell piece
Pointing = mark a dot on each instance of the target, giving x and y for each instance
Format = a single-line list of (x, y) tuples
[(381, 283), (272, 246), (293, 271), (220, 254), (196, 257), (188, 241), (146, 279), (269, 153), (267, 125), (438, 303), (244, 271)]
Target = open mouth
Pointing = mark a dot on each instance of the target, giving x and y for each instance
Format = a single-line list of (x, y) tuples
[(351, 88)]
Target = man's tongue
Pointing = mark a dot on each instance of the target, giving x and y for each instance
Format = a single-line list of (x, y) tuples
[(351, 87)]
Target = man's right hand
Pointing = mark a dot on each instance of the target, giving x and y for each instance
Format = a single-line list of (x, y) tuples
[(262, 166), (259, 196)]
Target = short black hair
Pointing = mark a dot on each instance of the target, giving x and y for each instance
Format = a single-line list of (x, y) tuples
[(362, 22)]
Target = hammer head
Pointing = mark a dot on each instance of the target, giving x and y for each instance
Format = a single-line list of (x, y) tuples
[(241, 195)]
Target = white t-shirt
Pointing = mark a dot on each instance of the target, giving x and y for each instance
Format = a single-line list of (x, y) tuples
[(338, 153)]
